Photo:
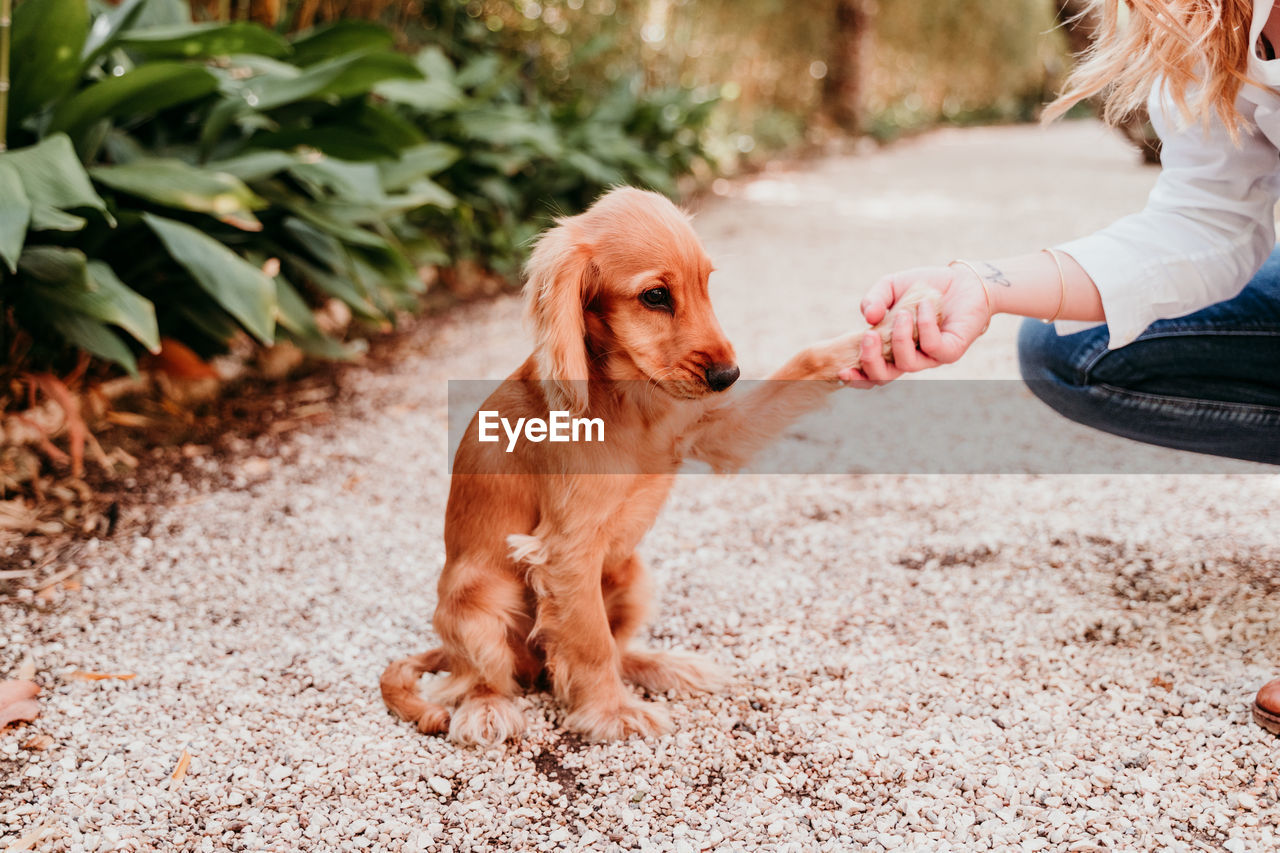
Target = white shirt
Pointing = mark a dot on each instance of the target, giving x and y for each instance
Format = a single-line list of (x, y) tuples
[(1209, 222)]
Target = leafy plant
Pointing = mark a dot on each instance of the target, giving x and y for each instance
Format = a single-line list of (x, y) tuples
[(208, 181)]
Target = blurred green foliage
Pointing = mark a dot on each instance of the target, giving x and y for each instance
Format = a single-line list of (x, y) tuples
[(207, 181), (959, 61)]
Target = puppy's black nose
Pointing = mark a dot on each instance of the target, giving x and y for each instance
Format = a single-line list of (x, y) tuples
[(721, 376)]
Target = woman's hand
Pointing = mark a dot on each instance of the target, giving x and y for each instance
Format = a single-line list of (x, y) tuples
[(965, 315)]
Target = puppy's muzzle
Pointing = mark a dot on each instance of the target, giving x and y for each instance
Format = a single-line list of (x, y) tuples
[(721, 376)]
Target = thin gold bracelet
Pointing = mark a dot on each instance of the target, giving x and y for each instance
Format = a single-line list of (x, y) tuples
[(986, 294), (1062, 286)]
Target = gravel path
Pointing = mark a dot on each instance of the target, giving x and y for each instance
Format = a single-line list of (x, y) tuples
[(919, 662)]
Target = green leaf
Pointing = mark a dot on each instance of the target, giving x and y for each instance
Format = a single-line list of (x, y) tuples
[(108, 25), (54, 179), (343, 77), (481, 69), (434, 64), (46, 40), (413, 164), (197, 41), (144, 90), (254, 166), (509, 125), (95, 338), (346, 180), (90, 288), (428, 96), (45, 218), (296, 318), (123, 306), (387, 127), (174, 183), (338, 38), (339, 286), (15, 214), (238, 286)]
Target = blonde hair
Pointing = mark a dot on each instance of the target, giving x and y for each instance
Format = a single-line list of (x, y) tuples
[(1200, 44)]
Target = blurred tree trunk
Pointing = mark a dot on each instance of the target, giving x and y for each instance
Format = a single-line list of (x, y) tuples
[(850, 51), (1082, 24)]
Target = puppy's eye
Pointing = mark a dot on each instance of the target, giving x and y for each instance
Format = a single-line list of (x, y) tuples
[(657, 297)]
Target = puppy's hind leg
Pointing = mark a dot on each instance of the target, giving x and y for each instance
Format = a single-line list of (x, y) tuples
[(627, 592), (479, 620), (399, 690)]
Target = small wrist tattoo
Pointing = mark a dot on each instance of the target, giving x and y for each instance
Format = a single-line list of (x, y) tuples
[(995, 275)]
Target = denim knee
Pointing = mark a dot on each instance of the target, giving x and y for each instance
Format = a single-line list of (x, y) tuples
[(1056, 367)]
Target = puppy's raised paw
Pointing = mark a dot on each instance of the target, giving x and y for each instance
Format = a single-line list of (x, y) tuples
[(615, 721), (485, 721), (659, 672)]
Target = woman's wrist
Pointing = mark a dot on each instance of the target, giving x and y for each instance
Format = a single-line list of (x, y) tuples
[(1040, 285)]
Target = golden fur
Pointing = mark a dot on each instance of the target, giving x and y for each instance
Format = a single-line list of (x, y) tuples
[(541, 577)]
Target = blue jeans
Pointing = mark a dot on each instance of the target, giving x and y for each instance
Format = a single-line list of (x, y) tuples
[(1208, 382)]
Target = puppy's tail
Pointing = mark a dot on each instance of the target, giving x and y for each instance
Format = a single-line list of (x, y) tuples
[(399, 685)]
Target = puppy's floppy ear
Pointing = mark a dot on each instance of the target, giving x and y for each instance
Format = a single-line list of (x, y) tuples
[(561, 280)]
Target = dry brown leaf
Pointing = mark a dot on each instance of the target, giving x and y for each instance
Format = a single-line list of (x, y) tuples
[(82, 675), (180, 772), (38, 743), (179, 361), (18, 702)]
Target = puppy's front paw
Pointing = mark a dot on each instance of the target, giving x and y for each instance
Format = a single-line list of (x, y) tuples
[(485, 721), (825, 360), (619, 719)]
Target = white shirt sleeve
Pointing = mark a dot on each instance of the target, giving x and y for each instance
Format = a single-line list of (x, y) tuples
[(1208, 226)]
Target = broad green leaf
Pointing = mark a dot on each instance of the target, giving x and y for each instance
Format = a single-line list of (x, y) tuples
[(174, 183), (45, 218), (238, 286), (434, 64), (375, 212), (343, 77), (387, 127), (338, 38), (479, 70), (323, 247), (295, 318), (306, 210), (46, 40), (346, 180), (15, 214), (109, 24), (64, 277), (428, 96), (124, 307), (415, 163), (163, 13), (337, 285), (509, 125), (197, 41), (144, 90), (53, 177), (94, 338), (255, 165)]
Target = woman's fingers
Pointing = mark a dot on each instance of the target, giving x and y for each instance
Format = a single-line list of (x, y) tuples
[(878, 300), (873, 365), (906, 356)]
